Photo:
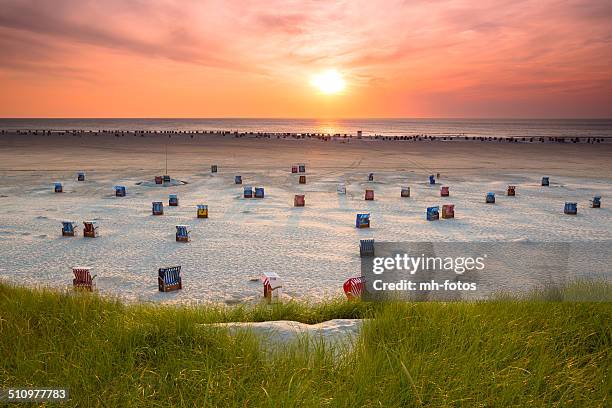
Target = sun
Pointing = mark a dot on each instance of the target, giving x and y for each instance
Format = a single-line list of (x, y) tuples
[(328, 82)]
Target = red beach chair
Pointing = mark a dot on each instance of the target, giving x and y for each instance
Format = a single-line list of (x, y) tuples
[(353, 288)]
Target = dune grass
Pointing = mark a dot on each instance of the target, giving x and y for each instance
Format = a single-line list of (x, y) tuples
[(506, 352)]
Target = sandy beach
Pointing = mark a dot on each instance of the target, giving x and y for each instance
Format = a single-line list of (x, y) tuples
[(315, 248)]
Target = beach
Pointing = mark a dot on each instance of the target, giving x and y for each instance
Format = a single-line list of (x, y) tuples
[(315, 248)]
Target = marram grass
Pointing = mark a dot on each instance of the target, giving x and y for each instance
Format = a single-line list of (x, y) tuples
[(545, 350)]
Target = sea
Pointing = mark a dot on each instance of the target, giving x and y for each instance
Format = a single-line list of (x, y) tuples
[(598, 128)]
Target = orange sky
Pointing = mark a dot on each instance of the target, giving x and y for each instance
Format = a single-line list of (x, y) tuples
[(437, 58)]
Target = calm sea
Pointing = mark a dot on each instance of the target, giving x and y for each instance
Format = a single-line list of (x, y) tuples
[(392, 127)]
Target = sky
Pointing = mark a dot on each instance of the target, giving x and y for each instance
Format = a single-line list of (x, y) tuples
[(213, 58)]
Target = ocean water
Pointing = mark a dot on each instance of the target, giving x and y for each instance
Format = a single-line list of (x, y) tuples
[(387, 127)]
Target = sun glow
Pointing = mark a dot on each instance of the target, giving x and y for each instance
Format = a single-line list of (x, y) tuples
[(328, 82)]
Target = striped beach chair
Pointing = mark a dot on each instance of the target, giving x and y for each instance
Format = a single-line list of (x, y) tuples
[(158, 208), (169, 279), (83, 279), (259, 192), (366, 247), (166, 178), (490, 198), (182, 233), (511, 191), (272, 286), (302, 168), (58, 188), (433, 213), (444, 192), (248, 192), (302, 180), (353, 287), (202, 211), (173, 200), (294, 169), (159, 180), (68, 228)]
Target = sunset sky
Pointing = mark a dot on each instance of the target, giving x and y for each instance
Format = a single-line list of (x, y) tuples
[(439, 58)]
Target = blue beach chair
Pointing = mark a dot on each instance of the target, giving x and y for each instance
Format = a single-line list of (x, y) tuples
[(571, 208), (169, 279), (120, 191), (362, 221), (433, 213)]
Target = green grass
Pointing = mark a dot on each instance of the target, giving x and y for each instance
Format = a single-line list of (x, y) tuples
[(506, 352)]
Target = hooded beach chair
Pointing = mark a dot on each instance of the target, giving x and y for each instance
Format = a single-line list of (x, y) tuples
[(58, 188), (83, 279), (81, 176), (362, 221), (302, 168), (182, 233), (158, 208), (169, 279), (259, 192), (238, 179), (302, 180), (433, 213), (294, 169), (90, 229), (511, 191), (490, 198), (159, 180), (248, 192), (341, 188), (119, 191), (68, 228), (369, 195), (202, 211), (444, 191), (353, 287), (432, 179), (272, 286), (299, 200), (366, 247), (371, 177), (571, 208), (213, 168), (596, 202), (448, 211), (405, 192), (173, 200), (545, 181)]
